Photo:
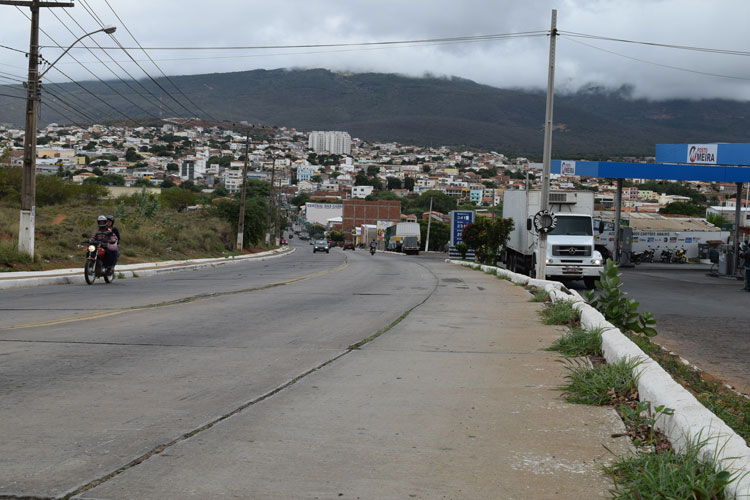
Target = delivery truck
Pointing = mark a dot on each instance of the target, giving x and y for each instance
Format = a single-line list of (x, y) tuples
[(404, 237), (570, 245)]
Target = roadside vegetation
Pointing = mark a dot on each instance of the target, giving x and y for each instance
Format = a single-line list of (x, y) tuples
[(654, 470), (152, 226)]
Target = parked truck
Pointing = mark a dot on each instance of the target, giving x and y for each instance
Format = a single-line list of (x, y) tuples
[(404, 237), (570, 245)]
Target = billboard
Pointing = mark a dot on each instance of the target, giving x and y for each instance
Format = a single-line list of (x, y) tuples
[(459, 220)]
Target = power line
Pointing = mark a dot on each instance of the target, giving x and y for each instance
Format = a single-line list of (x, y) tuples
[(106, 66), (11, 48), (654, 44), (153, 62), (501, 36), (13, 96), (659, 64), (84, 67)]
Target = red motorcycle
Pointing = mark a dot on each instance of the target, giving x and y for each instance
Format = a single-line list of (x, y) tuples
[(95, 253)]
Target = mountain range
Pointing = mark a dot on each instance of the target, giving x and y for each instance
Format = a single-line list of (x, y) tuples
[(427, 111)]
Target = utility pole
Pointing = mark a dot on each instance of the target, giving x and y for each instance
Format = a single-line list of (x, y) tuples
[(270, 203), (429, 222), (542, 257), (241, 222), (26, 225), (277, 228)]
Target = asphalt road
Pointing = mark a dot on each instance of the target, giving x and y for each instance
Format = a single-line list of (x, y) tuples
[(704, 319), (93, 376)]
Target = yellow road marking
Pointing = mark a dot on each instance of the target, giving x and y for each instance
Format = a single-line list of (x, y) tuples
[(115, 312)]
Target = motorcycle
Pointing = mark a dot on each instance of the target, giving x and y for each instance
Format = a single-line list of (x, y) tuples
[(666, 255), (648, 255), (372, 250), (680, 256), (94, 266)]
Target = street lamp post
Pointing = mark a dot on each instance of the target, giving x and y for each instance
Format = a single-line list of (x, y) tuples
[(26, 225)]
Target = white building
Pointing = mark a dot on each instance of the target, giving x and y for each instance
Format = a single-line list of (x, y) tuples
[(361, 191), (320, 213), (232, 180), (338, 143)]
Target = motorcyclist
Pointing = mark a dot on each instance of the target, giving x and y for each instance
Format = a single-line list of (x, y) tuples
[(108, 240), (373, 246), (111, 227)]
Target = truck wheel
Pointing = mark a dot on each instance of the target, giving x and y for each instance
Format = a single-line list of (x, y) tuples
[(590, 283)]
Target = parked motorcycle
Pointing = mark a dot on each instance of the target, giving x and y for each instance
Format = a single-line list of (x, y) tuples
[(94, 266), (666, 255), (680, 256), (648, 255)]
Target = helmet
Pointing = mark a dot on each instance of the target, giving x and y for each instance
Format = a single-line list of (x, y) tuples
[(101, 221), (111, 218)]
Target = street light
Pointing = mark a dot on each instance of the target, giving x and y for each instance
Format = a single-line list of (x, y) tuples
[(28, 183)]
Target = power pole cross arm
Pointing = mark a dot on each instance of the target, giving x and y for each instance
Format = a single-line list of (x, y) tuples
[(32, 3)]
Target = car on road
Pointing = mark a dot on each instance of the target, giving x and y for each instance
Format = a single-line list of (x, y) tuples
[(321, 246), (349, 245)]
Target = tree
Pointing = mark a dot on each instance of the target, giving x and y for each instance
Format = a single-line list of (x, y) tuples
[(409, 183), (441, 202), (132, 156), (680, 208), (316, 231), (426, 169), (173, 167), (177, 199), (167, 183), (393, 183), (143, 183), (372, 170), (97, 171), (439, 234), (718, 220), (299, 199), (487, 238)]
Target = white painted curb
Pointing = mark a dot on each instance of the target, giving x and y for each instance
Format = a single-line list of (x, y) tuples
[(75, 276), (691, 420)]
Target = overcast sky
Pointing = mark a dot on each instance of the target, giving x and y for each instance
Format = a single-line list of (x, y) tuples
[(513, 63)]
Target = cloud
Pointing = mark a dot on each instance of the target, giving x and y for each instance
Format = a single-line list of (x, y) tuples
[(653, 72)]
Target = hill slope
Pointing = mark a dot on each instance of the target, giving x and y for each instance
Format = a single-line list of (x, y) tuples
[(424, 111)]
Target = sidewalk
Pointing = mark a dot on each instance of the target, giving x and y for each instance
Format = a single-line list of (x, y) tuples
[(457, 401), (28, 279)]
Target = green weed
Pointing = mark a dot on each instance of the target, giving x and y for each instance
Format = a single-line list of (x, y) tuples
[(540, 295), (578, 342), (601, 385), (560, 313), (669, 475)]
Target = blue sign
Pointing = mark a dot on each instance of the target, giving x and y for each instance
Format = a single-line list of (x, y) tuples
[(704, 154), (667, 171), (459, 220)]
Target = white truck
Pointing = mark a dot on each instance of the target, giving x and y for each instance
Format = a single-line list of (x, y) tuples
[(570, 245), (405, 237)]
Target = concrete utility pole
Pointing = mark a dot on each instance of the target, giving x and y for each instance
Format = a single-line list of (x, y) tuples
[(277, 229), (429, 222), (28, 183), (270, 203), (241, 222), (541, 258)]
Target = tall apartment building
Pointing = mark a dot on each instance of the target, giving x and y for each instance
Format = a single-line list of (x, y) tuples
[(337, 143)]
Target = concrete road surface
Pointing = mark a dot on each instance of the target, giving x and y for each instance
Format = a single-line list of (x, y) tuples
[(238, 382)]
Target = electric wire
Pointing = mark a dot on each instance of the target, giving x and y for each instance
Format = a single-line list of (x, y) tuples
[(146, 112), (500, 36), (654, 44), (668, 66), (13, 49), (13, 96), (153, 62), (78, 84)]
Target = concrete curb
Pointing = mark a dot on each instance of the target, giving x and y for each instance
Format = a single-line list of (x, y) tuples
[(691, 420), (75, 276)]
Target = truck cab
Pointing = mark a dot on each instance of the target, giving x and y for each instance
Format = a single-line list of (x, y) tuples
[(570, 250)]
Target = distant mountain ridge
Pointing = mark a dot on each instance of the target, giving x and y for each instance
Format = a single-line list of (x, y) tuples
[(425, 111)]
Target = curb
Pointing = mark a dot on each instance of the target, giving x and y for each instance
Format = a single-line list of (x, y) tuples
[(75, 276), (691, 420)]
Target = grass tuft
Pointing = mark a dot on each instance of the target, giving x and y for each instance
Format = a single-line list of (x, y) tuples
[(668, 474), (578, 342), (560, 313), (539, 295), (601, 385)]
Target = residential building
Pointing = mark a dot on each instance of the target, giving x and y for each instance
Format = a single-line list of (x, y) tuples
[(338, 143)]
